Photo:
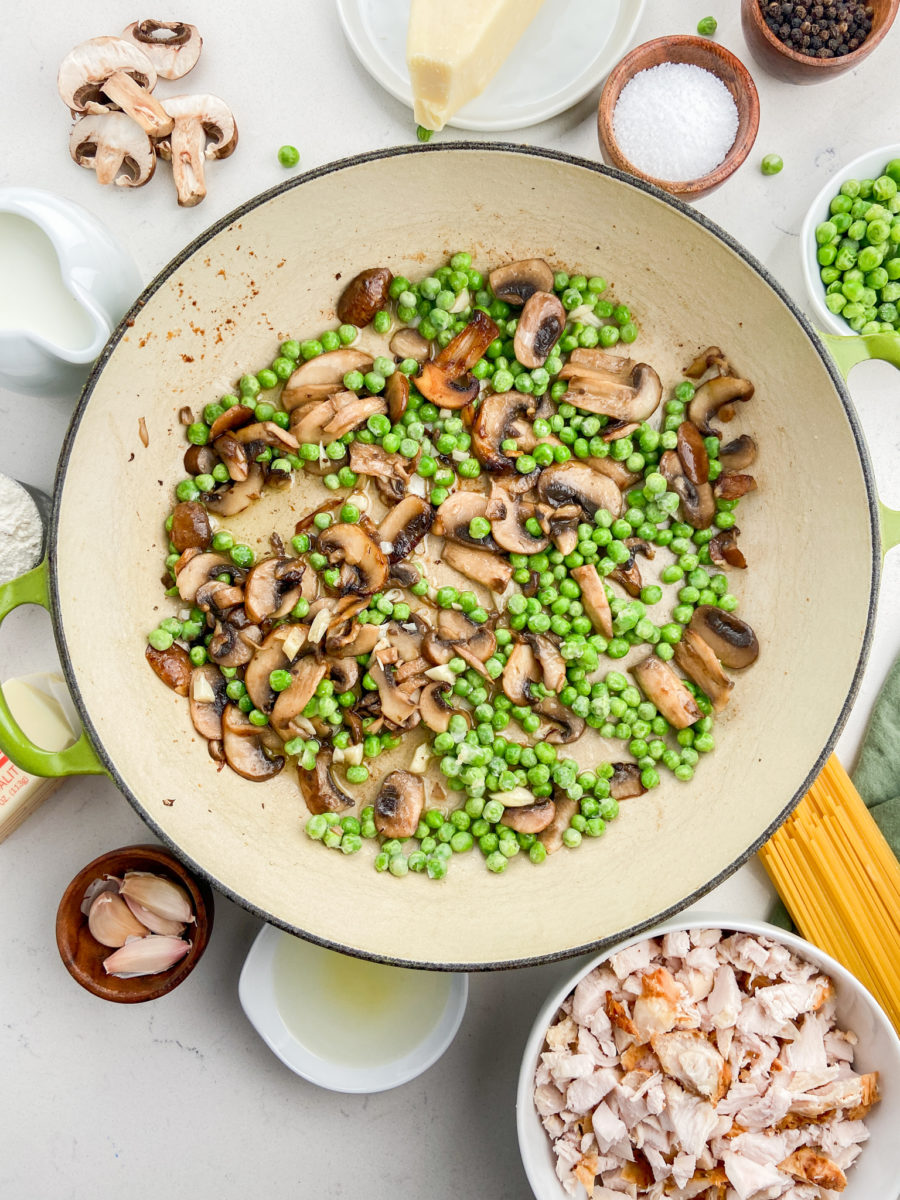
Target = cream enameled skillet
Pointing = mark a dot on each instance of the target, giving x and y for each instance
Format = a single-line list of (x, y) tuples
[(272, 270)]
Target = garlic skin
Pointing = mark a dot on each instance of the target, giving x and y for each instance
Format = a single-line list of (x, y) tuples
[(108, 883), (146, 956), (159, 895), (154, 923), (112, 922)]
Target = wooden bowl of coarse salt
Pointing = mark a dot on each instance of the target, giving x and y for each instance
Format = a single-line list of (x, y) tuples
[(681, 112)]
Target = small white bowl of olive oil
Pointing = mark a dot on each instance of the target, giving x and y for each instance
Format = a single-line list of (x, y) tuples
[(348, 1024)]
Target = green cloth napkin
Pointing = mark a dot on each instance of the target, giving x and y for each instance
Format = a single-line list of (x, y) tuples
[(877, 774)]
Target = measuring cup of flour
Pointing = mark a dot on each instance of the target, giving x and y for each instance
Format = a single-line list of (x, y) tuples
[(64, 285)]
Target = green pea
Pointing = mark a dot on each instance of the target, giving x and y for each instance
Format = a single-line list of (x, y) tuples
[(771, 164)]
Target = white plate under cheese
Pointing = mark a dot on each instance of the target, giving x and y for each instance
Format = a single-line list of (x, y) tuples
[(566, 49)]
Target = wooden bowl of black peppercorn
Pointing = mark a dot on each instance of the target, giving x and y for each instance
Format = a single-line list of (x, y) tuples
[(804, 41)]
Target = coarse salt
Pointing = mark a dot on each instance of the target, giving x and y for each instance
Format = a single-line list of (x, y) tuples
[(675, 121)]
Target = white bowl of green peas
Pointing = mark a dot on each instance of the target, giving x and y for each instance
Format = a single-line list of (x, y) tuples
[(850, 245)]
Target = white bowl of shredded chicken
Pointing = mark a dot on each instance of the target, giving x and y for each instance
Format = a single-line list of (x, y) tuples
[(717, 1059)]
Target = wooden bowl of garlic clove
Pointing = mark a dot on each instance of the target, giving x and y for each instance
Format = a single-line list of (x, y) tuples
[(83, 956)]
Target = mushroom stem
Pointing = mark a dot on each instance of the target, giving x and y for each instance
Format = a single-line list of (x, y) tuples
[(188, 141), (138, 104)]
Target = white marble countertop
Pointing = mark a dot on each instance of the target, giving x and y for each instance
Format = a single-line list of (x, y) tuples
[(181, 1096)]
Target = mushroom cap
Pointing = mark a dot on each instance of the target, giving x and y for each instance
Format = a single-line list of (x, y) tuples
[(245, 746), (364, 295), (532, 818), (272, 588), (698, 660), (396, 705), (495, 415), (482, 566), (174, 53), (573, 482), (319, 789), (173, 666), (113, 146), (724, 550), (306, 675), (542, 322), (508, 514), (600, 391), (236, 496), (404, 527), (199, 569), (206, 714), (409, 343), (667, 691), (325, 370), (594, 598), (733, 641), (268, 658), (367, 567), (399, 804), (89, 65), (456, 513), (232, 645), (738, 454), (519, 673), (215, 120), (565, 726), (626, 781), (235, 416), (517, 282), (712, 396), (697, 501), (692, 451), (445, 380), (436, 712), (190, 526)]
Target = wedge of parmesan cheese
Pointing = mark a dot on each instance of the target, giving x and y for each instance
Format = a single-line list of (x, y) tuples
[(453, 51)]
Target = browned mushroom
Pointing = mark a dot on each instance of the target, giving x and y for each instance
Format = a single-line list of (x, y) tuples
[(391, 472), (693, 453), (323, 375), (173, 666), (208, 700), (399, 804), (738, 454), (409, 343), (232, 418), (540, 324), (271, 656), (626, 781), (306, 675), (396, 705), (710, 358), (319, 789), (698, 660), (456, 635), (455, 515), (200, 460), (552, 837), (343, 673), (667, 691), (517, 282), (190, 526), (493, 425), (564, 725), (114, 148), (480, 565), (436, 712), (235, 497), (199, 569), (628, 573), (724, 550), (272, 588), (574, 483), (732, 640), (507, 515), (445, 379), (364, 295), (107, 73), (632, 397), (266, 433), (618, 429), (218, 598), (520, 674), (204, 129), (594, 598), (530, 818), (698, 504), (396, 392), (404, 527), (250, 750), (233, 455), (712, 397), (364, 566), (732, 485), (550, 661), (616, 471), (233, 646), (172, 46)]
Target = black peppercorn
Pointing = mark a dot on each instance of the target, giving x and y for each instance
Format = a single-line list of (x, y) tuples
[(826, 30)]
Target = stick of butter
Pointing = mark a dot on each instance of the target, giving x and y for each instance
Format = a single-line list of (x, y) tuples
[(453, 50), (45, 722)]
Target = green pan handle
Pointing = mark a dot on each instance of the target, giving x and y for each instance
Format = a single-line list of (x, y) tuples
[(79, 759), (847, 351)]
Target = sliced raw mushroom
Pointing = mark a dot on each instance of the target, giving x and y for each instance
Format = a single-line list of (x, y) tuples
[(738, 454), (272, 588), (396, 392), (208, 700), (552, 837), (531, 818), (306, 675), (235, 497), (391, 472), (172, 46), (594, 598), (698, 504), (399, 804), (731, 485), (409, 343), (271, 656), (445, 380), (626, 781), (539, 327), (698, 660), (479, 565), (574, 483), (634, 397), (712, 397), (493, 425), (436, 712), (323, 375), (232, 646), (111, 145), (404, 527), (250, 750), (663, 687), (507, 515), (733, 641), (396, 705), (321, 793), (456, 514), (199, 569), (204, 128), (364, 566), (190, 526), (108, 73), (364, 296), (565, 726), (173, 666), (517, 282), (724, 550), (693, 453)]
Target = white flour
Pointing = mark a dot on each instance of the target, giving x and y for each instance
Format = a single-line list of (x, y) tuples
[(21, 530)]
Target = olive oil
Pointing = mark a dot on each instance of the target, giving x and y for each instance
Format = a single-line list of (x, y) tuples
[(351, 1011)]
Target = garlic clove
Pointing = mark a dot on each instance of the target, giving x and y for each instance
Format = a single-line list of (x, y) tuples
[(146, 956), (154, 923), (160, 895), (111, 921), (109, 883)]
